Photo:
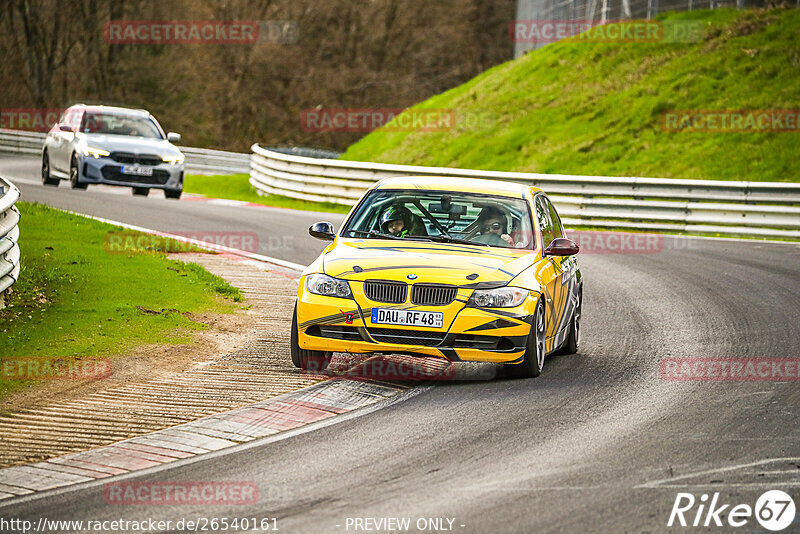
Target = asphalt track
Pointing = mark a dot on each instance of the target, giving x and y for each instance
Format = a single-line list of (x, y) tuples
[(599, 443), (282, 233)]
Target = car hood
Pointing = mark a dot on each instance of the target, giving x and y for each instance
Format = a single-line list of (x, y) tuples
[(135, 145), (362, 259)]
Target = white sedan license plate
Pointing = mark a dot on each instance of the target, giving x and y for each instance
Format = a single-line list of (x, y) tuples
[(136, 170), (407, 317)]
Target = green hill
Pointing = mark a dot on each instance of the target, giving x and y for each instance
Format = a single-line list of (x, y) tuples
[(597, 108)]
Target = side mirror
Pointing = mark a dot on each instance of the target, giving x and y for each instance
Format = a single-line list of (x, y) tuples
[(322, 230), (173, 137), (64, 127), (562, 246)]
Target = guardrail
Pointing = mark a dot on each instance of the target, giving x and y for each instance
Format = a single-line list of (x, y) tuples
[(9, 237), (199, 160), (729, 208)]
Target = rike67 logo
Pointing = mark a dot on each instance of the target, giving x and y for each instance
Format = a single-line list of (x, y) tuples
[(774, 510)]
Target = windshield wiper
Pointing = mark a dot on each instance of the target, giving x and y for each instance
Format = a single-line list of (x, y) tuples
[(448, 239), (374, 233), (437, 238)]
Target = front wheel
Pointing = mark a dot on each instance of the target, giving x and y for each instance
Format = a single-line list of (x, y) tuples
[(75, 175), (47, 179), (308, 360), (173, 193), (533, 361)]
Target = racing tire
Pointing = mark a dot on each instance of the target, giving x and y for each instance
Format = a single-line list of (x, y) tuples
[(574, 336), (308, 360), (533, 361), (173, 193), (47, 178), (141, 191), (74, 175)]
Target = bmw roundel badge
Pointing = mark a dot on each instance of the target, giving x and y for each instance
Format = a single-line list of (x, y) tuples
[(412, 276)]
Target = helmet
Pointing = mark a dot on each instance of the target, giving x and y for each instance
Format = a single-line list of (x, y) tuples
[(394, 213)]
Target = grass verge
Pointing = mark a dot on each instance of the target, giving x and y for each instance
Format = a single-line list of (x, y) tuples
[(586, 108), (74, 299), (237, 187)]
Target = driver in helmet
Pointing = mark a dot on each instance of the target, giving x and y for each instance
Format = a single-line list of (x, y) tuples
[(395, 221)]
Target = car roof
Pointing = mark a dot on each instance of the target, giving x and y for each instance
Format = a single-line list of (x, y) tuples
[(113, 109), (456, 184)]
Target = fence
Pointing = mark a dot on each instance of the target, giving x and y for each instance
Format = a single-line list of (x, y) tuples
[(756, 209), (199, 160), (9, 236), (596, 12)]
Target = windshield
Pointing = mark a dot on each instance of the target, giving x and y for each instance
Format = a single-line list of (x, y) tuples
[(120, 124), (444, 216)]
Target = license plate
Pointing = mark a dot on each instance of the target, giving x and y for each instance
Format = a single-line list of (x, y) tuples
[(407, 317), (136, 170)]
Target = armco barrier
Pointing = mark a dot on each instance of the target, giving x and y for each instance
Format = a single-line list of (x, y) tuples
[(756, 209), (199, 160), (9, 236)]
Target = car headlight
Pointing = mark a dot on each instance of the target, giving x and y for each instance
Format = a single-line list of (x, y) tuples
[(503, 297), (322, 284), (174, 159), (95, 152)]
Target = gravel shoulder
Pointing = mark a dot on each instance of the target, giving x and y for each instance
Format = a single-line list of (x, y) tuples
[(240, 359)]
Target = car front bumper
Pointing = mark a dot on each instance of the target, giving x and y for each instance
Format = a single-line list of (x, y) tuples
[(109, 172), (472, 334)]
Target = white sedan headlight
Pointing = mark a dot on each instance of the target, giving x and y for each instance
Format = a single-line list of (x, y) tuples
[(503, 297), (174, 159), (96, 153), (322, 284)]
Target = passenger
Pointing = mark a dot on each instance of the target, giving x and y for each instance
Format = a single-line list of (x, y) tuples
[(493, 228)]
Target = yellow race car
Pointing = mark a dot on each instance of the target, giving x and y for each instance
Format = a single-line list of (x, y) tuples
[(462, 269)]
